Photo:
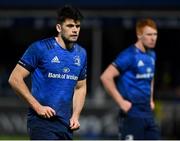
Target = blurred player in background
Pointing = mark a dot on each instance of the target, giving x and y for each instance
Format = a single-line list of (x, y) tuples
[(58, 67), (134, 69)]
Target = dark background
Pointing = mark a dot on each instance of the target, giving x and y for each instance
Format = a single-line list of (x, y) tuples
[(108, 28)]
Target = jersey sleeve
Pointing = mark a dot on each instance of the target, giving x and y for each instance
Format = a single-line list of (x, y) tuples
[(30, 58), (123, 61), (83, 73)]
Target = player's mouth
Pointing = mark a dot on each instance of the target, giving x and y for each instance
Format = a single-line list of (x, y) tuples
[(74, 35)]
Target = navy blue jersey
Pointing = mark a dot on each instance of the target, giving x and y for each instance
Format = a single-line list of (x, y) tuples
[(136, 73), (55, 72)]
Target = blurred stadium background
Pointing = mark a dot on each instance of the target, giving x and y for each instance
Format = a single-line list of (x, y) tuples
[(107, 29)]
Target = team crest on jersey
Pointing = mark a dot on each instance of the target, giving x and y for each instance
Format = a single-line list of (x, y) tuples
[(153, 62), (77, 60)]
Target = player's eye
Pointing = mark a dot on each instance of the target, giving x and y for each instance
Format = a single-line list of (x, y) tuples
[(70, 25), (77, 26)]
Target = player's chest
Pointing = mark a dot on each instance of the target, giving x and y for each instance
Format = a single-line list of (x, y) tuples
[(144, 64), (62, 63)]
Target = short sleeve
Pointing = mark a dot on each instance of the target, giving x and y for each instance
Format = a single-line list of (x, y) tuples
[(123, 61), (30, 58)]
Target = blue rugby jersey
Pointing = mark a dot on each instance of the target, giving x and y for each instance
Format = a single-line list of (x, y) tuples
[(136, 73), (55, 72)]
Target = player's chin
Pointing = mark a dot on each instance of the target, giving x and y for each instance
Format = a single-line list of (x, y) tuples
[(73, 39), (151, 46)]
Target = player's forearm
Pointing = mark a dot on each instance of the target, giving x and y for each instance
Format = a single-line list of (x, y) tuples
[(21, 89), (78, 101), (111, 89), (152, 90)]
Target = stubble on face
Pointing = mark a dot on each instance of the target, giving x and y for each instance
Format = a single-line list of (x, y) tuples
[(70, 31)]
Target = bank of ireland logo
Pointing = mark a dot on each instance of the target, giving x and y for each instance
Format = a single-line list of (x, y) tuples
[(77, 60), (66, 70), (148, 70)]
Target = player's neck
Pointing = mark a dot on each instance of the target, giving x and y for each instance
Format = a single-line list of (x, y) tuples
[(63, 43), (140, 46)]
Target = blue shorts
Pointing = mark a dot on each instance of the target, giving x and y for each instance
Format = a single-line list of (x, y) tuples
[(138, 128), (48, 129)]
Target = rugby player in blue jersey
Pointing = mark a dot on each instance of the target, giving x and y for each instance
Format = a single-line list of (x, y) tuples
[(134, 69), (58, 69)]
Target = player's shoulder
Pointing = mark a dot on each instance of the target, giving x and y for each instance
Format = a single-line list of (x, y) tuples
[(41, 44), (128, 51), (47, 43), (131, 49), (80, 49), (152, 53)]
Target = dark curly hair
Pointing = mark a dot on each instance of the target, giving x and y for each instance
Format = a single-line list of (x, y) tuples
[(68, 12)]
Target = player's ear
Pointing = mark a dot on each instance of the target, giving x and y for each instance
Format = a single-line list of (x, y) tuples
[(139, 35), (58, 27)]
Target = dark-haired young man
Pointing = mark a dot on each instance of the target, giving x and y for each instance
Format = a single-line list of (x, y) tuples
[(58, 68)]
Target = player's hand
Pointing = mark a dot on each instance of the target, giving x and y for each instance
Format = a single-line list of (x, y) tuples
[(152, 105), (74, 123), (46, 111), (126, 106)]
